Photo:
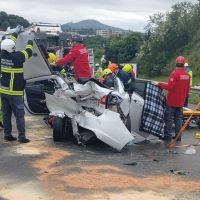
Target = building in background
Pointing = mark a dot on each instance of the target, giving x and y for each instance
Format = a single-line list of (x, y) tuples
[(104, 33)]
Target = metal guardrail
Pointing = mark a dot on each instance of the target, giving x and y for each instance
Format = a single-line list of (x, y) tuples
[(195, 90)]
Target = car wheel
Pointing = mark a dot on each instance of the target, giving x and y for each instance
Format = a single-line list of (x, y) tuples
[(68, 129), (59, 129), (88, 137)]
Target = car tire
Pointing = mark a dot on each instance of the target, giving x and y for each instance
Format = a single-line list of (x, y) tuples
[(59, 129), (88, 137)]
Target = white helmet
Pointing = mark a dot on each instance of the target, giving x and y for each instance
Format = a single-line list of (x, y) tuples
[(186, 65), (8, 45)]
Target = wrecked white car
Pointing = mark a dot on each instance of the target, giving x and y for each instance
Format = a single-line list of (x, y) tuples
[(87, 111)]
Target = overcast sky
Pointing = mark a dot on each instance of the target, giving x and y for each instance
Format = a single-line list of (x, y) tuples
[(126, 14)]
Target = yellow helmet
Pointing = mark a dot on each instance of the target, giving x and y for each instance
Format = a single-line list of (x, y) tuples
[(127, 68), (106, 72), (52, 58)]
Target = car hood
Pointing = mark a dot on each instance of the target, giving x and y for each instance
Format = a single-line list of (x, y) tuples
[(37, 65)]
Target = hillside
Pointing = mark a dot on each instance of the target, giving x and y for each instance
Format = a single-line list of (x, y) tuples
[(169, 35), (89, 24), (7, 20)]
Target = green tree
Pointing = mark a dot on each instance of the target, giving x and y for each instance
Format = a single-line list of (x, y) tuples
[(165, 35), (11, 21), (98, 44), (122, 49)]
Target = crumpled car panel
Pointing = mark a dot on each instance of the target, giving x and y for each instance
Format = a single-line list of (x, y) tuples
[(107, 127)]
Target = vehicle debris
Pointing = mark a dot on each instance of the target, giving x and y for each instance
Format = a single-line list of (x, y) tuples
[(178, 172)]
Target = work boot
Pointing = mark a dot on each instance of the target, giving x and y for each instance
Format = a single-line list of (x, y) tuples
[(10, 138), (23, 140)]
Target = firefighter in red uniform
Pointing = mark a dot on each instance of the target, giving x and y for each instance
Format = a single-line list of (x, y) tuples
[(178, 88), (78, 57), (12, 86)]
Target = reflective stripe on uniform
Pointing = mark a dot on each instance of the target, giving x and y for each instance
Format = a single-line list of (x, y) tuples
[(129, 81), (28, 46), (12, 80), (10, 70), (25, 54), (10, 92), (13, 38)]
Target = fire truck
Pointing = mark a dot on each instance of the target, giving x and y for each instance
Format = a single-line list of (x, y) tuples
[(51, 36)]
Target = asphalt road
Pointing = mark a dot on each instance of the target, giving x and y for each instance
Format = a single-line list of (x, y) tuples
[(43, 169)]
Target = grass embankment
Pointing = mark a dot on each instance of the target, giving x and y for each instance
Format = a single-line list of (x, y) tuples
[(193, 98)]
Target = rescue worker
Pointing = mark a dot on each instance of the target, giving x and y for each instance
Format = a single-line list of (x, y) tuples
[(98, 71), (1, 113), (12, 86), (108, 78), (78, 57), (51, 58), (123, 76), (104, 62), (129, 69), (189, 70), (178, 88)]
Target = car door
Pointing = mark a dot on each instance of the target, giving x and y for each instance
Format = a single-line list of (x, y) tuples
[(138, 86), (136, 105), (39, 76), (35, 90)]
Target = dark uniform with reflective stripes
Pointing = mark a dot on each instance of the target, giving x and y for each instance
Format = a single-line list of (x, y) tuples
[(12, 87)]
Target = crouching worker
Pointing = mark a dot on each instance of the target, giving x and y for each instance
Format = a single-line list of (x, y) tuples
[(178, 88), (108, 78), (12, 86), (122, 75)]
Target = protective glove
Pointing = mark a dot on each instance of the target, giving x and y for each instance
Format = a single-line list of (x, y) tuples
[(63, 73), (19, 29), (53, 64), (30, 42), (155, 83)]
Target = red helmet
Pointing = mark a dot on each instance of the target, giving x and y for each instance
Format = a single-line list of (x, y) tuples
[(180, 60)]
